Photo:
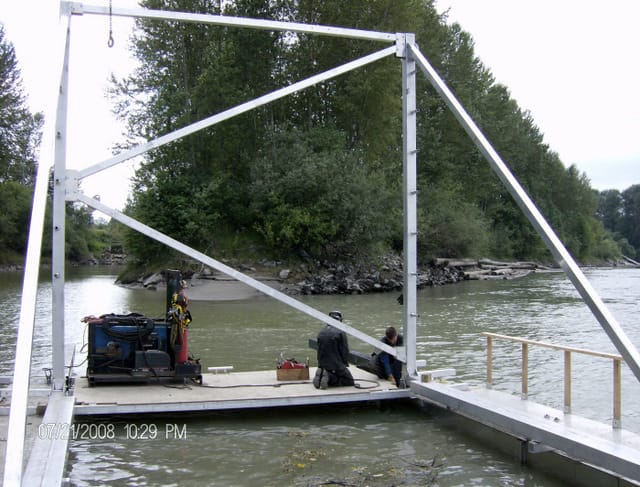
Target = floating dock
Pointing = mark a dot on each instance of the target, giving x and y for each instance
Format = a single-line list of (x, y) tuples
[(577, 450), (227, 391), (580, 451)]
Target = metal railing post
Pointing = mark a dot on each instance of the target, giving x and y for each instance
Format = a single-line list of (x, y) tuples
[(489, 362), (525, 370), (617, 365), (617, 394), (567, 381)]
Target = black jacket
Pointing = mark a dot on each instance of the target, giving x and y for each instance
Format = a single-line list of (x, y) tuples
[(333, 349)]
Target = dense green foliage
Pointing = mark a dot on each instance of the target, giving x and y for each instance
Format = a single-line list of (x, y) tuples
[(319, 172), (19, 137), (619, 212)]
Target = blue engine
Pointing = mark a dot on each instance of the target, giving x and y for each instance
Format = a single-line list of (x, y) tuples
[(133, 347)]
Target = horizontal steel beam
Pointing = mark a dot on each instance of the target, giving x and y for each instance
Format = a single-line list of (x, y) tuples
[(237, 110), (228, 21), (219, 266), (553, 243)]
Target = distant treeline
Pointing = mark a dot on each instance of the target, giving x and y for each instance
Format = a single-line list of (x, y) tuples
[(319, 173)]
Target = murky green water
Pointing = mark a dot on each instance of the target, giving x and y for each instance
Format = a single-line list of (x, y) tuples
[(390, 444)]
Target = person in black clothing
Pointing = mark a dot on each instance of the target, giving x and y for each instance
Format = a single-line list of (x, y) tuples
[(333, 351), (389, 365)]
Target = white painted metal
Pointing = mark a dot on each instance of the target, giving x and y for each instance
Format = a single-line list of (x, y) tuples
[(553, 243), (219, 266), (346, 33), (237, 110), (410, 204), (22, 368)]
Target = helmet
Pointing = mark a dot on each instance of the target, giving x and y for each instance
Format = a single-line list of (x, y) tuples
[(336, 315)]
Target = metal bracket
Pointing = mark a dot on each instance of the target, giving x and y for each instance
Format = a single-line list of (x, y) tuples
[(71, 185), (402, 39), (537, 447), (73, 8), (401, 44)]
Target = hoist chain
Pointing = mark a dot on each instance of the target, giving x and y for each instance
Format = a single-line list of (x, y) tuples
[(110, 42)]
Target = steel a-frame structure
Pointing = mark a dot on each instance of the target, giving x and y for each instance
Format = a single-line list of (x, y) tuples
[(66, 188)]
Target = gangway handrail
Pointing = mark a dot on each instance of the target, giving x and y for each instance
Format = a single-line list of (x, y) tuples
[(617, 376)]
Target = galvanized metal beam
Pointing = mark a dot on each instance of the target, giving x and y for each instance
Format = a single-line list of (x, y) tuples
[(410, 205), (58, 252), (22, 367), (228, 21), (219, 266), (553, 243), (237, 110)]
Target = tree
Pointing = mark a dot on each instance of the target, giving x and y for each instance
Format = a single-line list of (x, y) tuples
[(609, 210), (19, 130), (15, 201), (191, 187), (630, 222), (320, 171), (19, 139), (314, 195)]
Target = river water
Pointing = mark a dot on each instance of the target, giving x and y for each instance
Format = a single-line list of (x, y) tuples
[(392, 444)]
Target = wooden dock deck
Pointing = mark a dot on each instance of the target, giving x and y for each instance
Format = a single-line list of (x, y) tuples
[(226, 391)]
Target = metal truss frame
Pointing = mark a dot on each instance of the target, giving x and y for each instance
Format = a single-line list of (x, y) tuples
[(66, 188)]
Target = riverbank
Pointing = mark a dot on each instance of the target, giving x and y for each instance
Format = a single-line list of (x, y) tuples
[(332, 278), (326, 278)]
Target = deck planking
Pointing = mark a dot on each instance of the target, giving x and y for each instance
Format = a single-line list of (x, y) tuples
[(226, 391)]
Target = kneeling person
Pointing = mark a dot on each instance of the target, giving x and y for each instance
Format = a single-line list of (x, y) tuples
[(333, 351)]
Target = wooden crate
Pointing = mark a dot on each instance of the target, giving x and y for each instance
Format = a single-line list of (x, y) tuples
[(293, 374)]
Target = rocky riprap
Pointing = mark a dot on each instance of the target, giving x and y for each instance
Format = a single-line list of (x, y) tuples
[(332, 278)]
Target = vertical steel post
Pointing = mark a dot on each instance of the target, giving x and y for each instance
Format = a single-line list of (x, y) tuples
[(59, 214), (15, 448), (410, 204)]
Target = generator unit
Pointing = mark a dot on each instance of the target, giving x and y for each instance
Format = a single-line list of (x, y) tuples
[(136, 348)]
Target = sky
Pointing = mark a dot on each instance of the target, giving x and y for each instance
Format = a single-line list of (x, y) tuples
[(573, 64)]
